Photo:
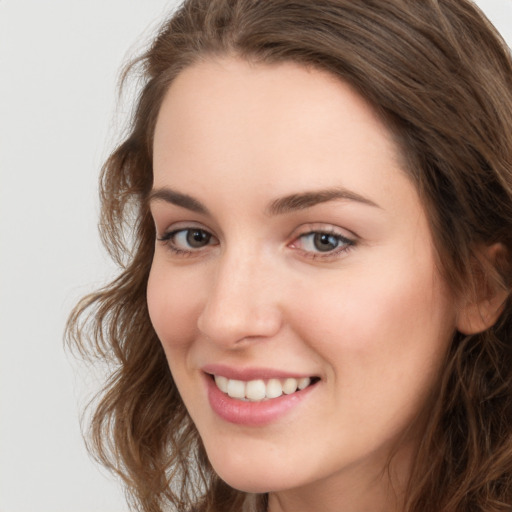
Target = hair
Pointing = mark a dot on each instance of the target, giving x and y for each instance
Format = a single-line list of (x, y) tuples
[(440, 76)]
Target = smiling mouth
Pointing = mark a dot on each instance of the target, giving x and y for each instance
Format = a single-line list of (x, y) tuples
[(259, 390)]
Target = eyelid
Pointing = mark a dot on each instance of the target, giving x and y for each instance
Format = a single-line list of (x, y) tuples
[(173, 230), (173, 227), (348, 238), (324, 227)]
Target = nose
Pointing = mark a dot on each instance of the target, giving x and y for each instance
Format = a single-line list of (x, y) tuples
[(242, 301)]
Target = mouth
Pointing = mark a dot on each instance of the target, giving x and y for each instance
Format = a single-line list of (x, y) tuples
[(261, 390), (256, 397)]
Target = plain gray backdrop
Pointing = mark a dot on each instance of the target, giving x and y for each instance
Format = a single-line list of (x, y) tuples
[(59, 63)]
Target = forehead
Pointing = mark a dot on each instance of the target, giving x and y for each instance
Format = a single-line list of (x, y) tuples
[(234, 85), (282, 104), (288, 127)]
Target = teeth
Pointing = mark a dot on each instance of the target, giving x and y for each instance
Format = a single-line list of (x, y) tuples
[(290, 386), (236, 388), (222, 383), (303, 383), (258, 390), (255, 390), (274, 388)]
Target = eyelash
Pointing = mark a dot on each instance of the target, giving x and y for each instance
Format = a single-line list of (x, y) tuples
[(168, 240), (345, 244)]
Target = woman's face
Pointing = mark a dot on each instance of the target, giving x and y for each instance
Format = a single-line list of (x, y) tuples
[(292, 251)]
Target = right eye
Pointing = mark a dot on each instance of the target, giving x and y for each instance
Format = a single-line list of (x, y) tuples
[(188, 240)]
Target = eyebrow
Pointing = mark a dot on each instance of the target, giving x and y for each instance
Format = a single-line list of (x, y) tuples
[(286, 204), (305, 200), (177, 198)]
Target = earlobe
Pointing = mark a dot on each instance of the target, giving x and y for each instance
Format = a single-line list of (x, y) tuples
[(483, 310)]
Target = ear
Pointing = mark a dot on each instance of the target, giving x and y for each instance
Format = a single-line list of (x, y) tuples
[(483, 309)]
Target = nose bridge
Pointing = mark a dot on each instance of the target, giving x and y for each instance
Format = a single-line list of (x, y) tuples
[(242, 301)]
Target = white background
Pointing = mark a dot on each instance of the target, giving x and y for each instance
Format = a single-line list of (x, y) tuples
[(59, 62)]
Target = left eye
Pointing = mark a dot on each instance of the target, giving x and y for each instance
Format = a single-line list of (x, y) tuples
[(322, 242), (197, 238), (186, 239)]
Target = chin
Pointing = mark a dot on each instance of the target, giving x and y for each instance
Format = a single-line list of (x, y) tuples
[(250, 482), (252, 476)]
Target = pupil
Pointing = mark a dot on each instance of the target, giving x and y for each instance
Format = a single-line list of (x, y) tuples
[(197, 238), (325, 242)]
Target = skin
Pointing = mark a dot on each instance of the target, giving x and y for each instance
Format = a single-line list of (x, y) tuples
[(372, 318)]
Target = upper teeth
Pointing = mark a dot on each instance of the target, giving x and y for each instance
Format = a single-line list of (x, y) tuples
[(256, 390)]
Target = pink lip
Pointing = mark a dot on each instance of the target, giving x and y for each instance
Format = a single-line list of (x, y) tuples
[(252, 414), (247, 374)]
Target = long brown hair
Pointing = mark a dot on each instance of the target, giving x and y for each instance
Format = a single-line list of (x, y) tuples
[(440, 76)]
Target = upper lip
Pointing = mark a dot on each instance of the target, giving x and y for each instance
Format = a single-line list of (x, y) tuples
[(251, 373)]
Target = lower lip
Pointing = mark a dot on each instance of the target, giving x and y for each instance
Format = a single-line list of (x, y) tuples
[(252, 413)]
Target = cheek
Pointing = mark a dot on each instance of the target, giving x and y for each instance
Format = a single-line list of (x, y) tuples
[(173, 305), (381, 331)]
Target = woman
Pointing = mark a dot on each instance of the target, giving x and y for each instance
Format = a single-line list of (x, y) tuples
[(313, 311)]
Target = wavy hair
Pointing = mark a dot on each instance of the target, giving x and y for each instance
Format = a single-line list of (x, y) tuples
[(440, 76)]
